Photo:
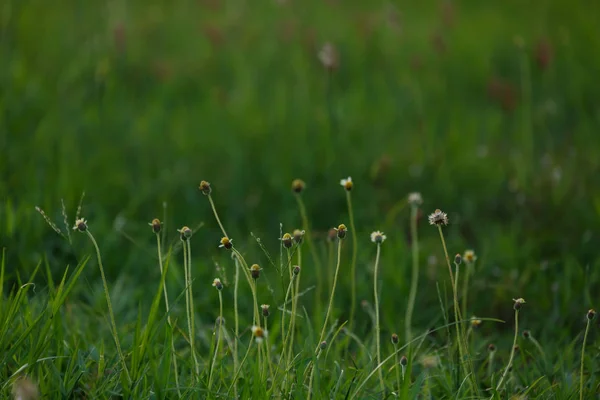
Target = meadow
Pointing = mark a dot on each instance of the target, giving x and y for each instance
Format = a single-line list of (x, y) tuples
[(155, 155)]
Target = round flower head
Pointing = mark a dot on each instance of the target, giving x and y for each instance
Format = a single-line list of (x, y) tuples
[(491, 347), (286, 240), (226, 243), (156, 225), (298, 185), (457, 259), (475, 322), (255, 271), (378, 237), (205, 188), (217, 284), (347, 183), (298, 236), (469, 256), (323, 345), (395, 338), (518, 303), (591, 314), (265, 310), (404, 361), (438, 218), (296, 270), (526, 334), (328, 56), (185, 232), (259, 334), (80, 225), (341, 231), (415, 199)]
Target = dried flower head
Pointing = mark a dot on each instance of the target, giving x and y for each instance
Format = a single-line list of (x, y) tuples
[(298, 236), (378, 237), (259, 334), (80, 225), (518, 303), (156, 225), (323, 345), (226, 243), (404, 361), (255, 271), (205, 188), (591, 314), (296, 270), (438, 218), (329, 57), (475, 322), (287, 240), (341, 231), (331, 234), (491, 347), (265, 310), (217, 284), (186, 233), (457, 259), (395, 338), (298, 185), (347, 183), (415, 199), (469, 256)]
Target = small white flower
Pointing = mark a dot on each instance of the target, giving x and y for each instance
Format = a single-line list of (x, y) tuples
[(415, 199), (347, 183), (469, 256), (217, 284), (259, 334), (378, 237), (80, 224), (438, 218)]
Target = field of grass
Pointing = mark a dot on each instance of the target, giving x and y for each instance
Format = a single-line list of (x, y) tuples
[(489, 110)]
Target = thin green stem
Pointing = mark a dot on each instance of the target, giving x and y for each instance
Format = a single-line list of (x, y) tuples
[(268, 348), (212, 205), (353, 265), (173, 354), (218, 333), (512, 352), (251, 282), (398, 385), (294, 309), (585, 335), (465, 289), (377, 325), (192, 313), (110, 309), (415, 273), (329, 307), (237, 372), (236, 321)]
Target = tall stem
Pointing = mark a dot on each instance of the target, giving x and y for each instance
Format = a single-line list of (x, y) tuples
[(192, 313), (212, 205), (377, 326), (173, 354), (396, 367), (585, 335), (512, 352), (294, 308), (218, 332), (110, 309), (465, 291), (353, 265), (236, 321), (415, 273)]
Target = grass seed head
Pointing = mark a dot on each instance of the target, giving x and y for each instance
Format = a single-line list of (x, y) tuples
[(80, 225), (341, 231), (287, 240), (156, 225), (255, 271), (347, 183), (205, 188), (298, 186), (438, 217), (226, 243)]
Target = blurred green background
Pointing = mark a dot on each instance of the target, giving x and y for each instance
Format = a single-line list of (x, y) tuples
[(489, 109)]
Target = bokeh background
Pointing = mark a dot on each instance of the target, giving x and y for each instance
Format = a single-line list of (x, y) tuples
[(489, 109)]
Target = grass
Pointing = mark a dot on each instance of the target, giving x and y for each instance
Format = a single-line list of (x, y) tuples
[(488, 110)]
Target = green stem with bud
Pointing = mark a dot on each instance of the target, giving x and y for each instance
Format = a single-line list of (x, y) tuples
[(353, 264), (585, 335), (512, 353)]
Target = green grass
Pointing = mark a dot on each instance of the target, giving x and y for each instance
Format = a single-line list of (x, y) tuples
[(136, 103)]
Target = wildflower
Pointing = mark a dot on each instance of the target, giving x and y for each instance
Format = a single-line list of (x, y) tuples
[(156, 225), (341, 231), (329, 57), (217, 284), (438, 218), (518, 303), (185, 232), (80, 225), (331, 234), (403, 361), (475, 322), (591, 314), (378, 237), (226, 243), (296, 270), (457, 259), (265, 310), (255, 271), (347, 183), (287, 240), (323, 345), (491, 347), (205, 188), (298, 185), (526, 334), (259, 334), (395, 338), (298, 236), (469, 256), (415, 199)]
